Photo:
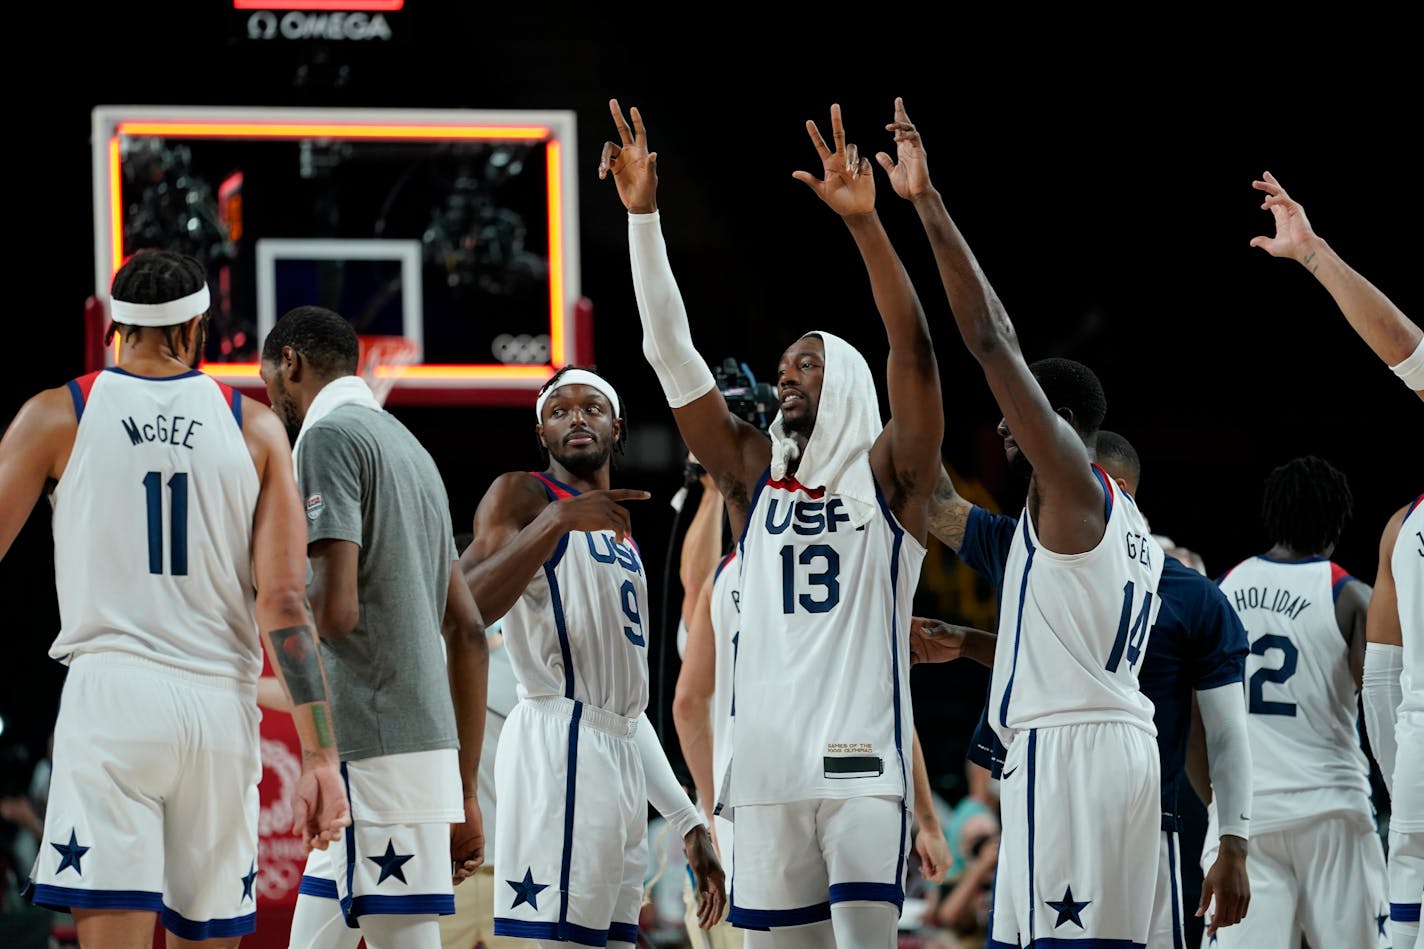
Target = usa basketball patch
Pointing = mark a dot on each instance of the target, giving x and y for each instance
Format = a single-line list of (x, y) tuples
[(314, 506)]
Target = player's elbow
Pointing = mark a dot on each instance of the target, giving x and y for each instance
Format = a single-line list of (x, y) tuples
[(282, 606), (336, 620), (687, 704)]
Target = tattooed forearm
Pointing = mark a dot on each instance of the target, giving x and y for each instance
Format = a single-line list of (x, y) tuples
[(295, 653), (1312, 267), (949, 513), (323, 728)]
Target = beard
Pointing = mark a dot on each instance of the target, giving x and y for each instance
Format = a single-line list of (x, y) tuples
[(802, 424), (583, 461)]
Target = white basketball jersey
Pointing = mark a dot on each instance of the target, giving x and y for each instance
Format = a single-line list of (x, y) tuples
[(579, 629), (1407, 565), (1300, 694), (726, 623), (1073, 627), (153, 525), (822, 697)]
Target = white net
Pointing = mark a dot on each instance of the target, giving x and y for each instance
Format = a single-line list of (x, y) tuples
[(382, 361)]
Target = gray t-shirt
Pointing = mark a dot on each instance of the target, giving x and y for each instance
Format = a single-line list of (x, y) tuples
[(366, 479)]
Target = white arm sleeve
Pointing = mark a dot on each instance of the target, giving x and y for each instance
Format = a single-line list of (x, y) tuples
[(1383, 694), (667, 338), (664, 792), (1411, 368), (1228, 755)]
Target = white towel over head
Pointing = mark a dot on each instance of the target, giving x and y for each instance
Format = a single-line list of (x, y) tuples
[(837, 455)]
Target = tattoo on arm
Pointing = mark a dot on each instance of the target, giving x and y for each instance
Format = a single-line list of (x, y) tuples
[(1308, 258), (323, 727), (296, 655), (949, 513)]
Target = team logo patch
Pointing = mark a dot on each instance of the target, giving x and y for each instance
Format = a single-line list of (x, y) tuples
[(314, 506)]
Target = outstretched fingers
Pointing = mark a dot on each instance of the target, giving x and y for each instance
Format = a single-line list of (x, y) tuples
[(621, 124), (817, 141), (837, 127)]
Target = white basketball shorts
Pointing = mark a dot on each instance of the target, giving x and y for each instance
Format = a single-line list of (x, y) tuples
[(153, 801), (1082, 816), (572, 824)]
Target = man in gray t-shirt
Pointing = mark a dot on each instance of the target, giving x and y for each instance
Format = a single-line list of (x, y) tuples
[(403, 645)]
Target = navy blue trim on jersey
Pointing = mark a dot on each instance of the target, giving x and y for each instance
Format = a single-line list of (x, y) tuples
[(1018, 630), (422, 904), (1413, 504), (557, 604), (723, 563), (1031, 776), (1339, 585), (196, 931), (77, 394), (1102, 477), (1404, 912), (237, 408), (557, 483), (350, 856), (551, 932), (1173, 875), (318, 887), (1289, 562), (623, 932), (898, 533), (570, 789), (777, 918), (132, 375), (751, 508)]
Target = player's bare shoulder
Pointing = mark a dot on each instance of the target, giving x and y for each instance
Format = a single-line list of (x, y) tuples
[(264, 432), (514, 496), (44, 429)]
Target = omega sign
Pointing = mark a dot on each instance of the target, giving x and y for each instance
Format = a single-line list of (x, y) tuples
[(301, 25)]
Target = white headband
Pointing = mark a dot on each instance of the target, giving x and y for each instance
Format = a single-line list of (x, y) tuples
[(176, 311), (579, 377)]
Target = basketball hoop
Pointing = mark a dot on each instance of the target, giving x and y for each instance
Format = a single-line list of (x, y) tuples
[(383, 359)]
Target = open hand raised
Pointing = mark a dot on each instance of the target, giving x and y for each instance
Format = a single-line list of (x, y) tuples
[(1293, 231)]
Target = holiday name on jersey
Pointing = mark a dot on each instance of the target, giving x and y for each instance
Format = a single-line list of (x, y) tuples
[(1278, 600), (178, 430)]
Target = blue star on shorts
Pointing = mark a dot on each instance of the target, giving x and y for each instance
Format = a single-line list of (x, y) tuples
[(527, 891), (391, 862), (1068, 908), (71, 852)]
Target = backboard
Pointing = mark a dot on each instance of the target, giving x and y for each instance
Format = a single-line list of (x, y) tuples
[(458, 228)]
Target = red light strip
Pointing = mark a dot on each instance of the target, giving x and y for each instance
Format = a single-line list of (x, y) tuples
[(470, 372)]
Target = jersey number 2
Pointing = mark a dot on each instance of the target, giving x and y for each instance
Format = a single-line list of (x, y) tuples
[(1289, 654), (177, 527)]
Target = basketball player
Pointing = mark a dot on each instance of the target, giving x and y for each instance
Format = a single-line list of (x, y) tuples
[(1195, 653), (1392, 336), (404, 643), (1316, 863), (702, 707), (1081, 777), (578, 759), (832, 525), (1394, 709), (176, 523)]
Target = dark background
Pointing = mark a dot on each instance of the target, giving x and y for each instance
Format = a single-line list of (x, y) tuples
[(1100, 168)]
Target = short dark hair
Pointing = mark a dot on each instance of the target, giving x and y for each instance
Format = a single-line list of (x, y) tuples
[(1113, 448), (1069, 384), (554, 383), (1307, 505), (153, 275), (323, 337)]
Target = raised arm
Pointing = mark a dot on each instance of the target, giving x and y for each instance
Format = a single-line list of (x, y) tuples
[(517, 528), (33, 452), (701, 547), (279, 545), (1384, 655), (1383, 326), (692, 699), (467, 664), (906, 454), (733, 451), (1070, 516)]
